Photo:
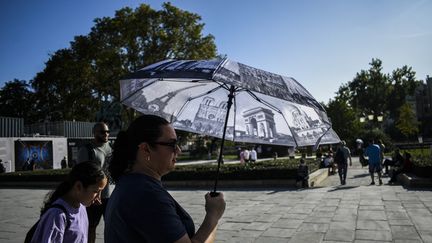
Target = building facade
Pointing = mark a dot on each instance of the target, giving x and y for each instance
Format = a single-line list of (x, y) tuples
[(423, 109)]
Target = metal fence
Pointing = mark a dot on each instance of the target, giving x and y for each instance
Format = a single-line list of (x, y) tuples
[(11, 126), (68, 129)]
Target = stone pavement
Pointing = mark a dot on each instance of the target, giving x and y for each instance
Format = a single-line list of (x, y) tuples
[(355, 212)]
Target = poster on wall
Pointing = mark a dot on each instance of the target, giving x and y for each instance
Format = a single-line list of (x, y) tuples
[(33, 155)]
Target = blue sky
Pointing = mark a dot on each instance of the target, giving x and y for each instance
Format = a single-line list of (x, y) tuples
[(321, 43)]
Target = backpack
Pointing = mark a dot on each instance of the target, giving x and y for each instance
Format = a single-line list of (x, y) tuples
[(32, 230), (340, 157)]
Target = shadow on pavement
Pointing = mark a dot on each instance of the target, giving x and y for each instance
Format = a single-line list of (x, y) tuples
[(361, 175), (421, 189), (342, 188)]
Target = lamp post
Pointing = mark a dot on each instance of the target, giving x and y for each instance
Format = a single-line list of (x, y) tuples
[(371, 118), (380, 118)]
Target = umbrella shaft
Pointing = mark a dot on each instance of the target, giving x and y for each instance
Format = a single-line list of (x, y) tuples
[(229, 103)]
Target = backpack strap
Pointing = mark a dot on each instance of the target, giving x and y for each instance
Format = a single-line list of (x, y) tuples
[(61, 207)]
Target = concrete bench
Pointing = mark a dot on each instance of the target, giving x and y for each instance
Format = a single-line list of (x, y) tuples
[(317, 177), (411, 180)]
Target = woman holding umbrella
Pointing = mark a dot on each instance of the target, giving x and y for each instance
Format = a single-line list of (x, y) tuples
[(140, 208)]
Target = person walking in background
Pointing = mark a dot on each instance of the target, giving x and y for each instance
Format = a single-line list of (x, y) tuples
[(373, 153), (361, 151), (382, 148), (140, 208), (303, 174), (318, 156), (2, 168), (99, 151), (253, 155), (63, 163), (63, 216), (26, 164), (341, 158), (32, 164), (246, 154), (242, 159), (275, 156)]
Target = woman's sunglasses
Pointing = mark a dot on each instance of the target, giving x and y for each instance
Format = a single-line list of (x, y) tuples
[(172, 144)]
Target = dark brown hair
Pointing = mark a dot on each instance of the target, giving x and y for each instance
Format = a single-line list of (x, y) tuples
[(146, 128), (88, 173)]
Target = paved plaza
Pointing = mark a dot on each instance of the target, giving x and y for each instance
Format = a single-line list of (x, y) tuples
[(355, 212)]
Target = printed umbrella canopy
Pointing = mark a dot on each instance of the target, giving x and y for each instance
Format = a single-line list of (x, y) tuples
[(197, 96)]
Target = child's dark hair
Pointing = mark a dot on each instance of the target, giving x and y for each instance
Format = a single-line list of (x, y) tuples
[(146, 128), (88, 173)]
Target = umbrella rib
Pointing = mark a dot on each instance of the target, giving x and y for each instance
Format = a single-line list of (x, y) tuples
[(136, 91), (264, 102), (195, 97), (274, 108), (218, 67), (188, 80), (315, 147), (222, 85), (235, 117), (161, 80)]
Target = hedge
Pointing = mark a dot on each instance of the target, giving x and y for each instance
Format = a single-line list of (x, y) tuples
[(279, 169)]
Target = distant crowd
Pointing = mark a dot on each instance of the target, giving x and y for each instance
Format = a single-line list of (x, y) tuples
[(371, 155)]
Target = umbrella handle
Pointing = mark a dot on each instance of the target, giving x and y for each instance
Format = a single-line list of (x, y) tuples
[(214, 194), (220, 160)]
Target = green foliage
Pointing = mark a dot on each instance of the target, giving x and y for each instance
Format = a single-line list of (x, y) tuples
[(407, 122), (422, 160), (63, 90), (376, 93), (16, 99), (78, 80), (38, 175), (343, 120), (403, 84), (369, 89), (375, 134), (279, 169)]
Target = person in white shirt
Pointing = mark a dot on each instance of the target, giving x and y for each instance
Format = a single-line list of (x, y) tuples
[(246, 155), (253, 155)]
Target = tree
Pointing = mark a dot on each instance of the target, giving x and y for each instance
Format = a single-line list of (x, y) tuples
[(343, 118), (368, 91), (64, 89), (376, 93), (403, 84), (407, 122), (136, 38), (16, 99), (78, 80)]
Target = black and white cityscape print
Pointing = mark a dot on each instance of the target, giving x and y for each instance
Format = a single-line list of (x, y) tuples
[(267, 108)]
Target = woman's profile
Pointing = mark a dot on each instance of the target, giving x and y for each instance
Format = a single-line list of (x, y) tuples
[(140, 208)]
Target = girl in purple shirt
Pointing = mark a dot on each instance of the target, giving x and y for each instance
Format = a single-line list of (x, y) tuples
[(81, 188)]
